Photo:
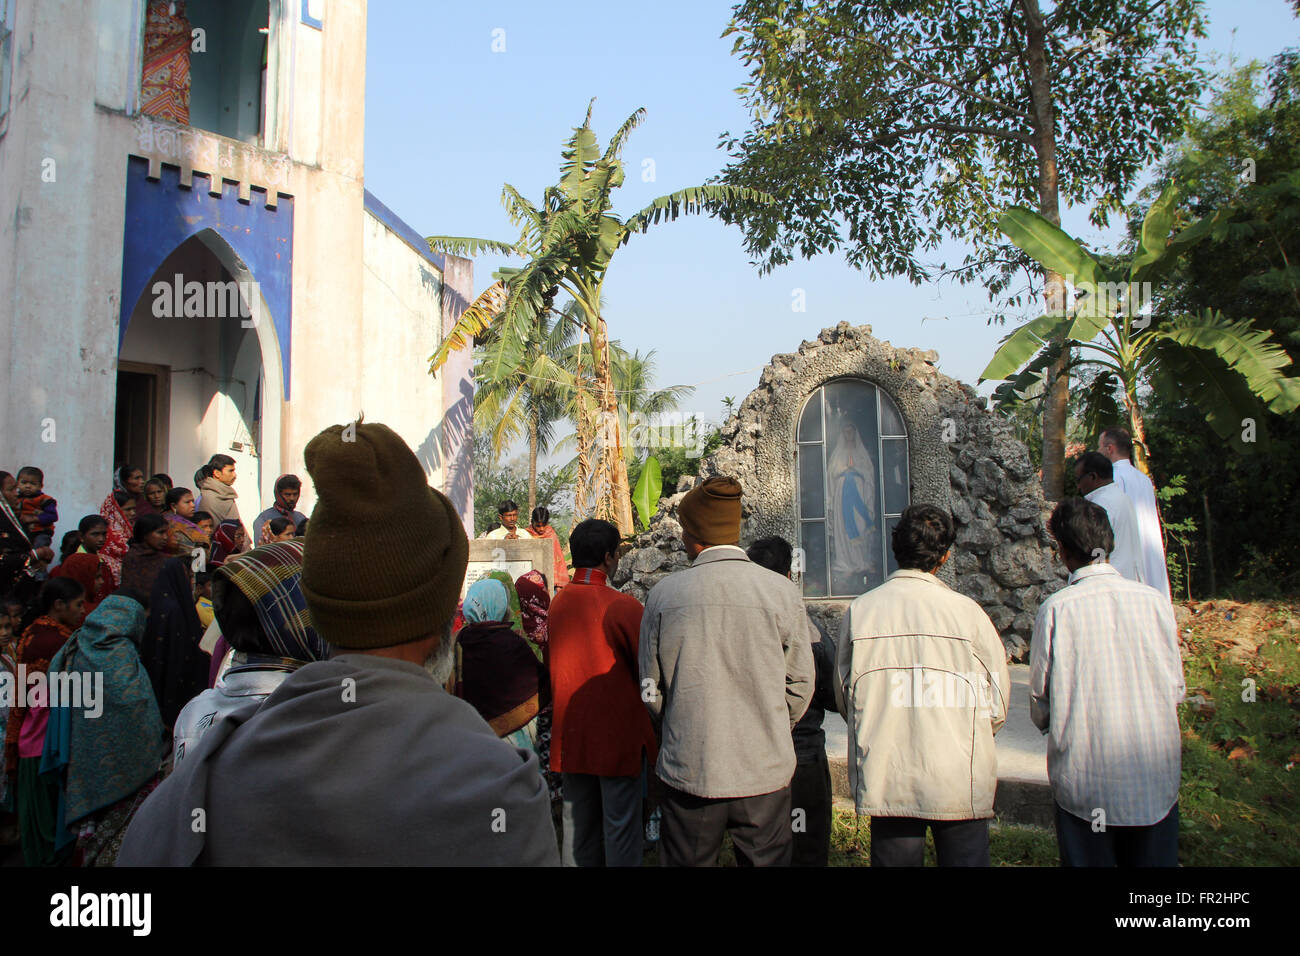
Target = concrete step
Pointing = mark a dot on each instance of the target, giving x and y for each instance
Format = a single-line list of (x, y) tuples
[(1024, 795)]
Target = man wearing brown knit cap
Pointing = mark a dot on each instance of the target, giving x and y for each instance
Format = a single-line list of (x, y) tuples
[(727, 670), (363, 758)]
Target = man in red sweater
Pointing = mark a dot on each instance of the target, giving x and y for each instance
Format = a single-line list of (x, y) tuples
[(601, 732)]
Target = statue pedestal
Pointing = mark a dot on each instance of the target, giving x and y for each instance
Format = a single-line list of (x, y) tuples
[(513, 556)]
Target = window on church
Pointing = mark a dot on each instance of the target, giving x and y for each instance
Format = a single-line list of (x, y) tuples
[(205, 65), (851, 459)]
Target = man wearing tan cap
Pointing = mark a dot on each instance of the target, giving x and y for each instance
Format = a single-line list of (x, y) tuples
[(726, 670), (363, 758)]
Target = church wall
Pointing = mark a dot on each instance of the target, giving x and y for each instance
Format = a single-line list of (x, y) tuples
[(61, 256), (60, 250), (400, 320)]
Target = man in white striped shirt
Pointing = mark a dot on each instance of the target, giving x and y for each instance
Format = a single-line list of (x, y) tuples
[(1105, 680)]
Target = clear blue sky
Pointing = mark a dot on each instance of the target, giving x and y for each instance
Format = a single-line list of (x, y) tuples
[(448, 121)]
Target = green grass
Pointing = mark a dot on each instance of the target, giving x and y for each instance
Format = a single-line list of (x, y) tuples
[(1008, 845), (1241, 763)]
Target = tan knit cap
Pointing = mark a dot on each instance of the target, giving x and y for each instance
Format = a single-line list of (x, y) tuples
[(385, 554), (711, 511)]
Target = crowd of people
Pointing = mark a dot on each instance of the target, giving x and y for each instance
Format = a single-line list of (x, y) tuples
[(119, 617), (330, 692)]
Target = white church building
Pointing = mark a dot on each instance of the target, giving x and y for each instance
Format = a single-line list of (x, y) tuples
[(190, 262)]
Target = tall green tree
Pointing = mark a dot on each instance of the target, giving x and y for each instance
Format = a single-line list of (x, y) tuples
[(886, 127), (1244, 151), (1225, 366), (569, 241)]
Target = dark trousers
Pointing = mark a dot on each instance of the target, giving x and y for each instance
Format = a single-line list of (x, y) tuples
[(810, 792), (1156, 845), (692, 829), (602, 821), (900, 841)]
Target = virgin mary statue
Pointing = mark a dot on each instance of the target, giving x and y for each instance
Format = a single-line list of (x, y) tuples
[(854, 532)]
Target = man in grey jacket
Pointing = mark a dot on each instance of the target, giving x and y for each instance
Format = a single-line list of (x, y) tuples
[(727, 671)]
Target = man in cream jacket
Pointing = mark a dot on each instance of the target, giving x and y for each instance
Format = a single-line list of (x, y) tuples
[(922, 682)]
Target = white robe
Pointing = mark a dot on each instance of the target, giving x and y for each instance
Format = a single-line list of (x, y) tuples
[(1142, 494), (1127, 556)]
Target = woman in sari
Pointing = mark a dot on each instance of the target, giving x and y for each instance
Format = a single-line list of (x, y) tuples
[(227, 541), (155, 492), (258, 601), (540, 527), (177, 667), (131, 480), (106, 766), (146, 554), (118, 510), (535, 608), (496, 671), (35, 798), (183, 535), (516, 617), (92, 573), (278, 528)]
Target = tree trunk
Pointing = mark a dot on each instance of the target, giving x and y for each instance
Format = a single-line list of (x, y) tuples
[(1209, 545), (616, 499), (581, 508), (532, 461), (1056, 401), (1138, 429)]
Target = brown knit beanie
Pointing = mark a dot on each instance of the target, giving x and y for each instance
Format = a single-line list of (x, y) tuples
[(711, 511), (385, 554)]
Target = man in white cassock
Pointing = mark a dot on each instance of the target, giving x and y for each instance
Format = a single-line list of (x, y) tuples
[(1093, 474), (1117, 445)]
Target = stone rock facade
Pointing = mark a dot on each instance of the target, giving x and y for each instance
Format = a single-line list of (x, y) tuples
[(960, 455)]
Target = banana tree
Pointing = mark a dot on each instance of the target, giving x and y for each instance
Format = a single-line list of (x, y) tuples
[(536, 396), (648, 489), (1226, 367), (569, 242)]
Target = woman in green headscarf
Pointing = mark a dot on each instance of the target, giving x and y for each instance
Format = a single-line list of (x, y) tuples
[(496, 670), (106, 757), (516, 617)]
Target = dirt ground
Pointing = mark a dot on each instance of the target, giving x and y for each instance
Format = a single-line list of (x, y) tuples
[(1236, 629)]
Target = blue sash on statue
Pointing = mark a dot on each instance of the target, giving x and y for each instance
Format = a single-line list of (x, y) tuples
[(850, 503)]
